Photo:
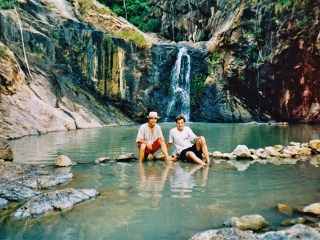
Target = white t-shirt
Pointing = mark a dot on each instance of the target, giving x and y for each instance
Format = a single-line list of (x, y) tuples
[(146, 134), (181, 139)]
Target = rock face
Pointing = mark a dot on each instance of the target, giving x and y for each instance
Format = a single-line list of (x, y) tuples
[(264, 57), (5, 150), (90, 68)]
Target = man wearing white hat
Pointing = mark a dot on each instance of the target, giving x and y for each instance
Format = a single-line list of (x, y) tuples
[(150, 138)]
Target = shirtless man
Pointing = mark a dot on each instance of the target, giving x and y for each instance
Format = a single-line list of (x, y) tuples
[(182, 136), (150, 138)]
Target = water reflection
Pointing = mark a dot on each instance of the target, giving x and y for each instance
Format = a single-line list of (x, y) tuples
[(183, 180), (151, 182)]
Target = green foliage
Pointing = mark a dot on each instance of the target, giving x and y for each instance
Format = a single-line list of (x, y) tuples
[(134, 11), (197, 89), (8, 4), (133, 36), (2, 51), (281, 6), (215, 59)]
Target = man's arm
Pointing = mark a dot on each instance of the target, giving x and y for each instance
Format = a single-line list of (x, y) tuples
[(168, 145)]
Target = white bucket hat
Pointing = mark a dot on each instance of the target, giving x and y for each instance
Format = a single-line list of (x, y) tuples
[(153, 115)]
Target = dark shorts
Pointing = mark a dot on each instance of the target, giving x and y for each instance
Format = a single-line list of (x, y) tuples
[(193, 148), (155, 147)]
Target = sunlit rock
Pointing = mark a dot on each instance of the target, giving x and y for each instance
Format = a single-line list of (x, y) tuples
[(315, 145), (242, 151), (128, 157), (217, 154), (102, 160), (272, 151), (304, 151), (278, 148), (312, 208), (248, 222), (63, 161), (254, 157), (56, 200), (296, 144), (296, 232)]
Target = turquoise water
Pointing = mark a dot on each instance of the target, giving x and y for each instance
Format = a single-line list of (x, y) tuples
[(151, 201)]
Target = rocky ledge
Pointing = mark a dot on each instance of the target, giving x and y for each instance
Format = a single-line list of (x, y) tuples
[(35, 183)]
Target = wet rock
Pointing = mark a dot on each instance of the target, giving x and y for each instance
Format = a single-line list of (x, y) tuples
[(23, 181), (3, 202), (315, 145), (285, 209), (278, 148), (5, 150), (126, 157), (102, 160), (16, 192), (305, 151), (296, 232), (248, 222), (44, 179), (55, 200), (63, 161), (217, 154), (225, 233), (272, 151), (242, 151), (292, 221), (312, 208)]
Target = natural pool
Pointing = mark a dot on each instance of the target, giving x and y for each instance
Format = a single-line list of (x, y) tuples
[(152, 201)]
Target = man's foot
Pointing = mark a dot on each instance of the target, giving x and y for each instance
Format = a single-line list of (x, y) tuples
[(150, 157)]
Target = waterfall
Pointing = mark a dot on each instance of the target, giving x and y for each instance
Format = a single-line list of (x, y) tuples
[(180, 86)]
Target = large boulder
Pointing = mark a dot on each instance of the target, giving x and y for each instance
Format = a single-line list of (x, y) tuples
[(312, 208), (242, 151), (63, 161)]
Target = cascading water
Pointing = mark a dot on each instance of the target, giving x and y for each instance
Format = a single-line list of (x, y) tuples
[(180, 85)]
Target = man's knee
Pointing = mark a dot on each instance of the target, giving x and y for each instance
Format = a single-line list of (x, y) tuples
[(160, 140), (143, 147), (202, 140)]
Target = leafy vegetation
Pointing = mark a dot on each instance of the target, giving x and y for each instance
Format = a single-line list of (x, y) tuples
[(134, 11), (133, 36), (2, 51), (214, 59), (8, 4)]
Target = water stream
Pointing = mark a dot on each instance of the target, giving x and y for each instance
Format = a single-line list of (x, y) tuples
[(151, 201), (180, 84)]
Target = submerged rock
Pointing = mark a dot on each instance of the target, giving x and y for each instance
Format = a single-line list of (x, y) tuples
[(248, 222), (16, 192), (55, 200), (285, 209)]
